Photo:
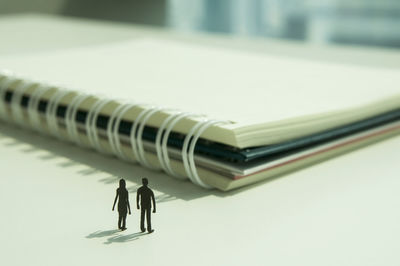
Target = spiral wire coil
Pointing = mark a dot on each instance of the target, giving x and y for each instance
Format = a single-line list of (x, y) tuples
[(113, 124)]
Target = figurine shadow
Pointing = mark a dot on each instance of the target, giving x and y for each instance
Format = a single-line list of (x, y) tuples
[(123, 238), (66, 155), (100, 234), (115, 236)]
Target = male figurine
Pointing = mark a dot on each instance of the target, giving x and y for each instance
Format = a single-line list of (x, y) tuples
[(145, 194)]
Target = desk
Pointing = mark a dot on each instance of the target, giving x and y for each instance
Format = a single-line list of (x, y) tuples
[(56, 198)]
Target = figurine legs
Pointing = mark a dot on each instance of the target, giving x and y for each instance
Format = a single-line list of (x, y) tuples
[(146, 211), (122, 221)]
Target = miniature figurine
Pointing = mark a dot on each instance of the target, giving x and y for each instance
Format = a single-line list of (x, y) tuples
[(123, 204), (146, 195)]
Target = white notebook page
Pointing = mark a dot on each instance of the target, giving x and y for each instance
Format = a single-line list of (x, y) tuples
[(244, 87)]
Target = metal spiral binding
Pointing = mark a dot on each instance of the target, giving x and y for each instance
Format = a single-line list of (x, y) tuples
[(137, 133), (115, 131), (33, 105), (188, 150), (162, 140), (51, 112), (113, 126), (16, 108), (5, 84), (91, 123), (70, 117)]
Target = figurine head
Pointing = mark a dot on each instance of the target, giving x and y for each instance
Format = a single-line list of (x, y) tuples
[(145, 181), (122, 183)]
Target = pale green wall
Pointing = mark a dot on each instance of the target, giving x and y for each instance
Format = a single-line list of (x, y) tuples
[(137, 11), (20, 6)]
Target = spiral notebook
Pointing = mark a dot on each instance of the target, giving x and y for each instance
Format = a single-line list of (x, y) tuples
[(220, 118)]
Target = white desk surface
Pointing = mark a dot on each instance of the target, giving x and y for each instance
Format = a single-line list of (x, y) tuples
[(56, 198)]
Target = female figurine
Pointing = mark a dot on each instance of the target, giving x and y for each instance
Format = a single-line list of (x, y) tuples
[(123, 204)]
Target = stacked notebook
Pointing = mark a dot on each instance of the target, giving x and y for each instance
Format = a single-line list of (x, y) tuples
[(221, 118)]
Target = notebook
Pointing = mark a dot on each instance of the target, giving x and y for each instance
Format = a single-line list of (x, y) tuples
[(221, 118)]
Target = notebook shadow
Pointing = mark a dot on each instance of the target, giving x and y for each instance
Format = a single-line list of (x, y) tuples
[(89, 162), (94, 162)]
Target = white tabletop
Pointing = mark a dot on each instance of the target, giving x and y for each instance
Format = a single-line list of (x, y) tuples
[(56, 198)]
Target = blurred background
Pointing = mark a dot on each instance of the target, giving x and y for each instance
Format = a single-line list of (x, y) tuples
[(360, 22)]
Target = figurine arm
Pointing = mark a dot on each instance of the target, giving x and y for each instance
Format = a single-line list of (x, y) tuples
[(137, 198), (129, 206), (154, 201), (115, 201)]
